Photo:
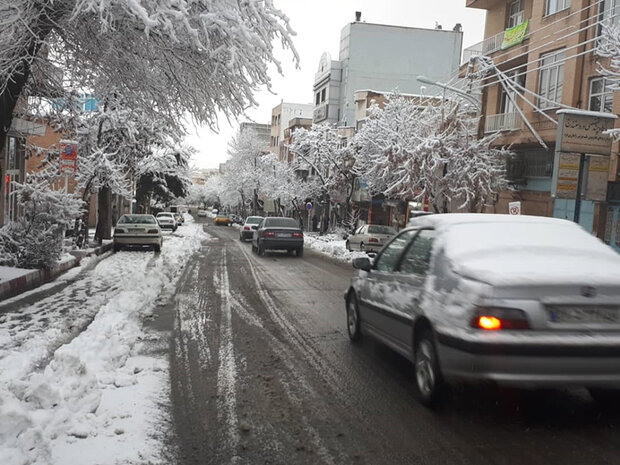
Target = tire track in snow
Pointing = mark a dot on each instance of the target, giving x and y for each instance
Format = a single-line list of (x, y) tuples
[(227, 371)]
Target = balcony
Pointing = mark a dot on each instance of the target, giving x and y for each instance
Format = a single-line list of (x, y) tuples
[(502, 122), (507, 38)]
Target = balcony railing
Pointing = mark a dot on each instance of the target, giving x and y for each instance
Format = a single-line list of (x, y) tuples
[(502, 122), (487, 46)]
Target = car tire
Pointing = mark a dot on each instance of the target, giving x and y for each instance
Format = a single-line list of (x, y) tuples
[(261, 249), (117, 247), (157, 248), (300, 251), (353, 318), (427, 374), (253, 247)]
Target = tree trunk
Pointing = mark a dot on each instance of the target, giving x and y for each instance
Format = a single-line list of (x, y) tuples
[(104, 224)]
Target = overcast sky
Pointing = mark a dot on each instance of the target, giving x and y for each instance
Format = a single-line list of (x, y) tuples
[(318, 24)]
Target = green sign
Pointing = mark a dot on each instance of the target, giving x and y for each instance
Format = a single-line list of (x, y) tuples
[(515, 35)]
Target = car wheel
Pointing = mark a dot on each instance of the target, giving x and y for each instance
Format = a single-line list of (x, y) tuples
[(261, 249), (353, 318), (157, 248), (300, 251), (117, 247), (290, 251), (428, 379), (253, 247)]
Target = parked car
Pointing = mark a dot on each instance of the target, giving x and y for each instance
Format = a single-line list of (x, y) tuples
[(513, 300), (202, 213), (236, 219), (278, 233), (137, 230), (167, 220), (249, 226), (179, 218), (222, 219), (370, 237)]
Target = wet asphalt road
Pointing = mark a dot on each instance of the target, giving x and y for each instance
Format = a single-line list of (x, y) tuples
[(262, 372)]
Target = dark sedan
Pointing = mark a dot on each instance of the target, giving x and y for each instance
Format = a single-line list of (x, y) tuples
[(278, 233)]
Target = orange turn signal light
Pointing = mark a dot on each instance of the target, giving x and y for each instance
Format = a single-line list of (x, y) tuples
[(489, 322)]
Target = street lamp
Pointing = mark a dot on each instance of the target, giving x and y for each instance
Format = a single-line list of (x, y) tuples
[(471, 98)]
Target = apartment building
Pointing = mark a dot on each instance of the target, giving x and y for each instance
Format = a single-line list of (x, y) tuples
[(384, 57), (546, 50), (281, 116)]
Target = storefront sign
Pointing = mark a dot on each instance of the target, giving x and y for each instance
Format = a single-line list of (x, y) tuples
[(568, 175), (598, 173), (583, 132), (515, 35)]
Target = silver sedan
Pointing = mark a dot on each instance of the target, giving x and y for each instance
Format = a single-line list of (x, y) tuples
[(137, 230)]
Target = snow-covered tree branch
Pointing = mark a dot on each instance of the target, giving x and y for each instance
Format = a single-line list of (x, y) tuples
[(609, 47)]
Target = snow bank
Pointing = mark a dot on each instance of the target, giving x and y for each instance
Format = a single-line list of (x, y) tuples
[(98, 398), (333, 246)]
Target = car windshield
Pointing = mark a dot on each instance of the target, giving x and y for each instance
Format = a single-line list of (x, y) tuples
[(254, 220), (281, 222), (137, 219), (378, 229)]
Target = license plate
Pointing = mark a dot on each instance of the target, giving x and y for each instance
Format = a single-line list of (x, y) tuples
[(283, 234), (576, 314), (136, 230)]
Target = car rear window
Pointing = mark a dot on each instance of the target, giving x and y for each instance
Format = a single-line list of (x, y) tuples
[(281, 222), (137, 219), (378, 229), (254, 220)]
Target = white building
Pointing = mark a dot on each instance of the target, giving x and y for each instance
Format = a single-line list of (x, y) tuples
[(377, 56), (281, 116)]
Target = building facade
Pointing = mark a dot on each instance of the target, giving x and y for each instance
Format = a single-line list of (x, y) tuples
[(546, 52), (377, 56), (281, 115)]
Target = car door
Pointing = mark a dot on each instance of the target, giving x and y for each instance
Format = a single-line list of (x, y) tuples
[(380, 312), (354, 242), (412, 274), (256, 233)]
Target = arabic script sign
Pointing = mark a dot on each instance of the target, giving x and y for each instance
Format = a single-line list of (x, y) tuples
[(583, 133), (515, 35)]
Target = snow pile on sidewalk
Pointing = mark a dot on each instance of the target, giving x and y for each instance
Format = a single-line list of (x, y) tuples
[(333, 246), (98, 397)]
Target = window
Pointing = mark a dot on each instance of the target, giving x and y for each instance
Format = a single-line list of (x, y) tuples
[(601, 95), (388, 259), (317, 99), (506, 105), (417, 259), (323, 95), (553, 6), (551, 78), (516, 13), (609, 12)]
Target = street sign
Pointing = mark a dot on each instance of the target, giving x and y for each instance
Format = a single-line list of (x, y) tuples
[(514, 208), (583, 132), (68, 156), (309, 206)]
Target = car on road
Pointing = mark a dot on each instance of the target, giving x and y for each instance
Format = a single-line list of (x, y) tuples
[(179, 218), (370, 237), (249, 226), (167, 220), (202, 213), (137, 230), (278, 233), (235, 218), (512, 300), (222, 219)]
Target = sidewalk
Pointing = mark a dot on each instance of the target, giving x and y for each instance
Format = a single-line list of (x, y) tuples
[(14, 281)]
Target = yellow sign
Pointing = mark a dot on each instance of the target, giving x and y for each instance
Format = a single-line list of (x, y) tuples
[(515, 35)]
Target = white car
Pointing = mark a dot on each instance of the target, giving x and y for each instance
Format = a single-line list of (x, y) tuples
[(137, 230), (202, 213), (370, 237), (167, 220)]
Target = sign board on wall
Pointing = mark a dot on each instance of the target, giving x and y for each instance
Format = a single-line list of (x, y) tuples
[(598, 172), (514, 208), (568, 174), (583, 132)]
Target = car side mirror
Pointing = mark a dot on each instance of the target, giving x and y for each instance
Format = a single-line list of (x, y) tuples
[(362, 263)]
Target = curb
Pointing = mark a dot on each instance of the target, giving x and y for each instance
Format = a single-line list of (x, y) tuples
[(36, 278)]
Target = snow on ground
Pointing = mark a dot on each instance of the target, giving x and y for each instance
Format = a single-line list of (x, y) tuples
[(79, 380), (8, 272), (331, 245)]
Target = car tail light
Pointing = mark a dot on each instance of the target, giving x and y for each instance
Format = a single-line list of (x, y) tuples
[(246, 228), (373, 239), (269, 234), (119, 230), (296, 234), (498, 318), (153, 231)]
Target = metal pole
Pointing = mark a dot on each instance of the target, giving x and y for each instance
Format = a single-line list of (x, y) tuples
[(582, 162)]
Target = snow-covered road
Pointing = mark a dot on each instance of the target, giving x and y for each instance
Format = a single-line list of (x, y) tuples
[(80, 380)]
